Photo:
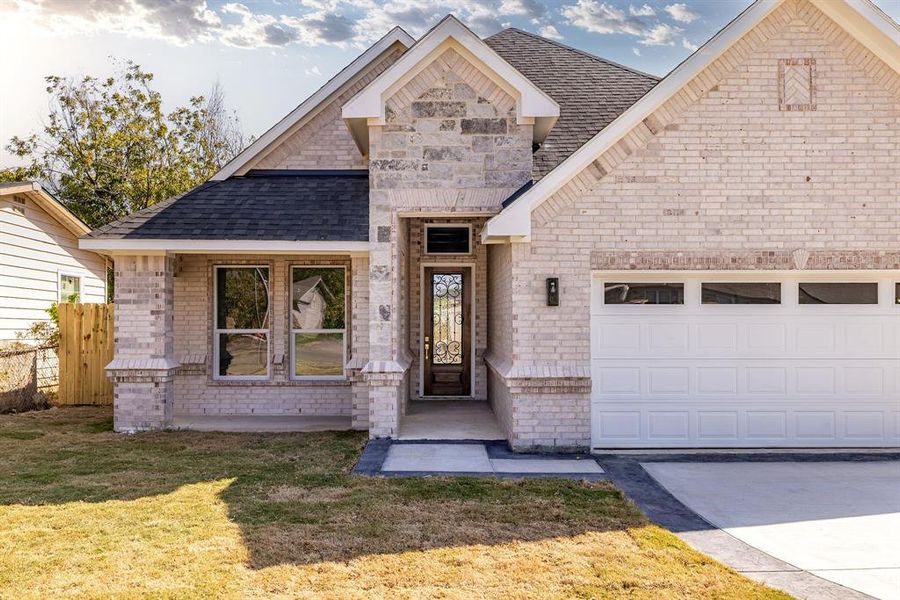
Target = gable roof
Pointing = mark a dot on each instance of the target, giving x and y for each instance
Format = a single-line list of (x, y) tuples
[(591, 91), (33, 191), (533, 105), (324, 210), (860, 18), (309, 106)]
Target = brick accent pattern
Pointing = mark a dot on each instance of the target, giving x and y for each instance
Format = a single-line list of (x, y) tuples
[(197, 393), (718, 178), (797, 84), (324, 142)]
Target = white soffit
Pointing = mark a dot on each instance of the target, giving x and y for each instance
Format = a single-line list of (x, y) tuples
[(860, 18), (310, 107), (533, 106)]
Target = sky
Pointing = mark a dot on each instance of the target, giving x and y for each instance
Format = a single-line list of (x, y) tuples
[(269, 55)]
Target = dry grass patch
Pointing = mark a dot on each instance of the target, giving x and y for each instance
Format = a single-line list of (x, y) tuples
[(88, 513)]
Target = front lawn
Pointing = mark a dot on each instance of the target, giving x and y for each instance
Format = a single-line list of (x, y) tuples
[(86, 512)]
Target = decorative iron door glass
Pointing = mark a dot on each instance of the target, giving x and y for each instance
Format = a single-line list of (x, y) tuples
[(447, 333)]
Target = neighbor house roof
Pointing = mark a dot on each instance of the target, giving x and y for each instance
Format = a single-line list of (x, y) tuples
[(328, 207), (33, 191), (591, 91)]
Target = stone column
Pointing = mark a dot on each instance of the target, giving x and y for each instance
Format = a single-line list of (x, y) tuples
[(143, 367), (388, 364)]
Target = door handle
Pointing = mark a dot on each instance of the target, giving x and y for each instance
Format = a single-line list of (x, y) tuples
[(427, 348)]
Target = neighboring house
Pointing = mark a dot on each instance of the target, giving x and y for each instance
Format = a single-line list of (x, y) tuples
[(40, 261), (613, 261)]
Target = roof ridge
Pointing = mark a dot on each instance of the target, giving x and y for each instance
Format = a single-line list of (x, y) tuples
[(578, 51)]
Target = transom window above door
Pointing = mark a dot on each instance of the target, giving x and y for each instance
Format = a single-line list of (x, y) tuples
[(448, 239)]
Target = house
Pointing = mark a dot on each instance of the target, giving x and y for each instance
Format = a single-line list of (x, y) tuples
[(609, 260), (40, 261)]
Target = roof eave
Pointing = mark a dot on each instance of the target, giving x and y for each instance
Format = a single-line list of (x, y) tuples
[(125, 246)]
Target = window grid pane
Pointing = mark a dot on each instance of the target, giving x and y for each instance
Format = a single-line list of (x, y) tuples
[(318, 321), (69, 285), (241, 342)]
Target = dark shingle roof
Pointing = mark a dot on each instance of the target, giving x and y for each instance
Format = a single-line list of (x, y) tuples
[(591, 91), (263, 205)]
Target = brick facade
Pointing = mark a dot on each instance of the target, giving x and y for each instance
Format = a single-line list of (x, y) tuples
[(324, 142), (195, 390), (720, 177)]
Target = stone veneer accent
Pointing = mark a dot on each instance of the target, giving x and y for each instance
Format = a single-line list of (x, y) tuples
[(195, 390), (719, 177), (450, 144), (142, 370)]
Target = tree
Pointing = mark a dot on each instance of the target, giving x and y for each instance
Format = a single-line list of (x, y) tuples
[(108, 149)]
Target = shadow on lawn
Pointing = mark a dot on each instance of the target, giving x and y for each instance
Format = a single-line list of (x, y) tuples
[(291, 495)]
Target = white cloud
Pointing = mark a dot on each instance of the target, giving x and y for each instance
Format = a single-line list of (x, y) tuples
[(689, 45), (637, 51), (314, 70), (661, 34), (682, 12), (644, 11), (549, 31), (528, 8), (600, 17)]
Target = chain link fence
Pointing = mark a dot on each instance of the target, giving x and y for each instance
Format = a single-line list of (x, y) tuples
[(29, 377)]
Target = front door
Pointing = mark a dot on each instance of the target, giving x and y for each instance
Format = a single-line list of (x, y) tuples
[(446, 341)]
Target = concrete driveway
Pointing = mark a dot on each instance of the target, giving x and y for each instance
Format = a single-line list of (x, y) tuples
[(837, 520)]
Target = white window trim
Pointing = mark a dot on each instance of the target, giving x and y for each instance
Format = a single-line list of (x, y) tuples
[(217, 331), (292, 331), (454, 225)]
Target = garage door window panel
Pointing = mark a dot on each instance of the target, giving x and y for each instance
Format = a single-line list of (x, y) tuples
[(838, 293), (741, 293), (644, 293)]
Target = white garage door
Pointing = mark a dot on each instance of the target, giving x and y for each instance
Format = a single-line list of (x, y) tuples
[(745, 360)]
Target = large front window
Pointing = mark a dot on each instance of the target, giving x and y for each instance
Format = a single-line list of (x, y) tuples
[(241, 339), (318, 322)]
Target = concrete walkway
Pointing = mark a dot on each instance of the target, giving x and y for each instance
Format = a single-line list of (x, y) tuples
[(383, 457), (838, 521), (260, 423), (449, 420)]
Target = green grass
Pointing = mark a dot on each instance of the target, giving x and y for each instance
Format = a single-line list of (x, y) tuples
[(85, 512)]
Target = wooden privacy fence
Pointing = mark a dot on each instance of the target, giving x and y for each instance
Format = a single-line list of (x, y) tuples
[(85, 348)]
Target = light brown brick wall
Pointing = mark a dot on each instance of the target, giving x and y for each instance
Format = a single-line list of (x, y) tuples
[(324, 142), (195, 390), (720, 170)]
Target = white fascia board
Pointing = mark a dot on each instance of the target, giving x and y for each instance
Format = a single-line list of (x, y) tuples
[(155, 246), (860, 18), (314, 102), (515, 221), (868, 24), (531, 102)]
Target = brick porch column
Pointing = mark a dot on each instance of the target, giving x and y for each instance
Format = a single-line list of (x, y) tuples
[(359, 340), (143, 367)]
